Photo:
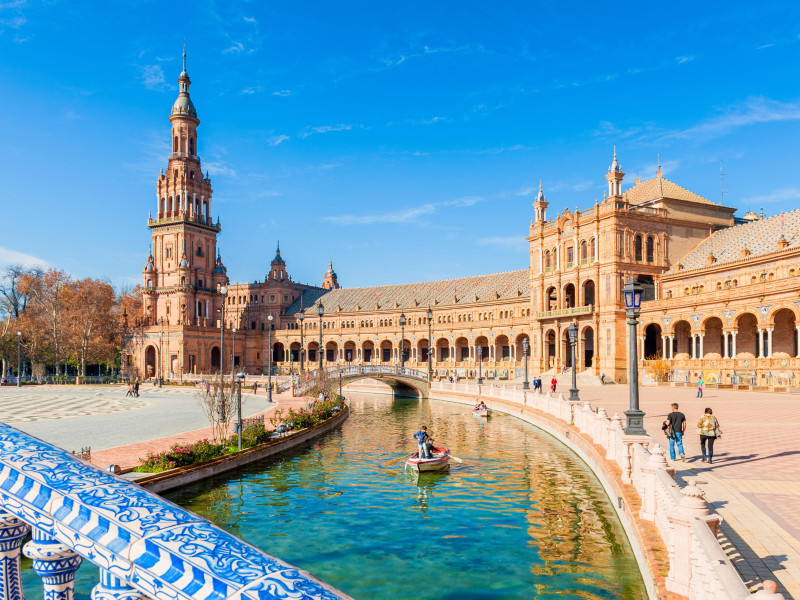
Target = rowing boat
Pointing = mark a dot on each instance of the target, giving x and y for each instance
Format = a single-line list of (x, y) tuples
[(482, 412), (439, 461)]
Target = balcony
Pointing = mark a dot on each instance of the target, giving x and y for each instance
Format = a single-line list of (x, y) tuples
[(566, 312)]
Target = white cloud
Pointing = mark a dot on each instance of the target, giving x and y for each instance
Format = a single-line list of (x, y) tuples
[(408, 215), (250, 19), (275, 140), (13, 257), (328, 129), (235, 48), (253, 90), (684, 59), (282, 93), (751, 112), (219, 168), (512, 242), (781, 195), (152, 77)]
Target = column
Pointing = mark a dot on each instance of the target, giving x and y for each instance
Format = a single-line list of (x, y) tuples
[(111, 588), (641, 349), (12, 532), (769, 342), (733, 344), (798, 341), (671, 346), (700, 337), (760, 343), (55, 563), (664, 354)]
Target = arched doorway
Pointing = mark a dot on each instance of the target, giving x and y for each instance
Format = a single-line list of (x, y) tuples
[(588, 348), (784, 335), (367, 351), (550, 348), (550, 299), (349, 351), (462, 349), (215, 358), (569, 296), (519, 347), (150, 361), (712, 337), (331, 352), (683, 339), (652, 342), (278, 352), (483, 344), (566, 349), (502, 348), (442, 350), (386, 351), (422, 350), (747, 334), (313, 348), (588, 293)]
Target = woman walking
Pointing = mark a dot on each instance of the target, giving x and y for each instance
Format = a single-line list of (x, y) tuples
[(709, 430)]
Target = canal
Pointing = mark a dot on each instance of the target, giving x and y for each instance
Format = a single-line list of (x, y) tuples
[(521, 517)]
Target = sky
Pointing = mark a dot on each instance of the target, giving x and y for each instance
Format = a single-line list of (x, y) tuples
[(403, 141)]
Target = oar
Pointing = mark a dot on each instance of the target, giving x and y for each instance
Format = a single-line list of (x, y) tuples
[(391, 462), (455, 458)]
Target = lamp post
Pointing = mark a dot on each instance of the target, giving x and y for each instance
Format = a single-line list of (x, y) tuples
[(222, 292), (239, 378), (525, 349), (633, 301), (402, 341), (320, 312), (573, 341), (429, 314), (19, 358), (269, 358), (233, 352), (480, 364), (160, 343), (302, 317)]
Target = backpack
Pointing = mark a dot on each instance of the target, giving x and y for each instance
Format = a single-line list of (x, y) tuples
[(667, 428)]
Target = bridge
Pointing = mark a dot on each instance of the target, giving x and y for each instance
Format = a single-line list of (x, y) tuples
[(404, 381)]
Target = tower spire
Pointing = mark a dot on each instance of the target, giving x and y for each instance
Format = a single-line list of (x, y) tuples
[(184, 57)]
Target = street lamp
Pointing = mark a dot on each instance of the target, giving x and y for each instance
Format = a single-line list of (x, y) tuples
[(19, 359), (429, 314), (525, 349), (320, 312), (633, 301), (222, 292), (480, 364), (239, 377), (233, 351), (269, 358), (302, 317), (160, 343), (402, 341), (573, 341)]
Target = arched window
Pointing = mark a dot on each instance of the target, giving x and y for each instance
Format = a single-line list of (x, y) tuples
[(175, 144), (169, 204), (637, 247), (594, 249), (584, 252), (547, 260), (191, 147), (651, 249)]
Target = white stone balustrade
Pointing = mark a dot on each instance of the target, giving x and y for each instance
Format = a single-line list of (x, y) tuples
[(699, 568)]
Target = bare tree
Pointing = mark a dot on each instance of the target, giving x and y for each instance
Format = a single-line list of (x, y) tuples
[(219, 405)]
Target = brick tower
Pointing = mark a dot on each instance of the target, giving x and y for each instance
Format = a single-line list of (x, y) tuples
[(182, 276)]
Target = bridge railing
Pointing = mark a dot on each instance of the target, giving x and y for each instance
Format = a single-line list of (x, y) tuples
[(358, 371), (145, 546)]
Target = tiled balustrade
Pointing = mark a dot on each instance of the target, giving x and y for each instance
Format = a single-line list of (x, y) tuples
[(145, 546)]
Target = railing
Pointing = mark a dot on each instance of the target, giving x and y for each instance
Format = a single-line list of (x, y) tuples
[(699, 568), (144, 545), (564, 312), (358, 371)]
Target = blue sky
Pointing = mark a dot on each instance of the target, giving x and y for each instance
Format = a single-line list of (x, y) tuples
[(405, 141)]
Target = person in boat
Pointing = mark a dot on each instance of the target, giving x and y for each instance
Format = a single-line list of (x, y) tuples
[(481, 405), (430, 447), (422, 438)]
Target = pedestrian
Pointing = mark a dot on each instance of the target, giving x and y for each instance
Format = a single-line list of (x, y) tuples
[(130, 390), (700, 387), (709, 430), (553, 383), (136, 389), (602, 378), (674, 427), (255, 388)]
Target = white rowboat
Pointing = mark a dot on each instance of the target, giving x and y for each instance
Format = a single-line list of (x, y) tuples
[(482, 412), (438, 462)]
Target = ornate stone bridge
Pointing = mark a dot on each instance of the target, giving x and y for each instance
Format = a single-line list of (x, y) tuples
[(404, 381)]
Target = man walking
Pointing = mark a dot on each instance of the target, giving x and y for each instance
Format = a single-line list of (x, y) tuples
[(676, 421)]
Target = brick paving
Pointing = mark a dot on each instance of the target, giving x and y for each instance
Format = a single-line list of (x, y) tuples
[(754, 482)]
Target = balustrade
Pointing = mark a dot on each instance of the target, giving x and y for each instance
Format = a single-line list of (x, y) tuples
[(145, 546), (699, 568)]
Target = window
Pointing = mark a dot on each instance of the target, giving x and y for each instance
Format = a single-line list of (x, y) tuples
[(584, 253), (253, 325), (175, 144), (621, 242), (149, 283), (547, 260), (651, 249), (570, 255), (637, 247), (594, 249)]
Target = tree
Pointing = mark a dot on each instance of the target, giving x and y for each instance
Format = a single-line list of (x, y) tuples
[(16, 292), (89, 303), (128, 313)]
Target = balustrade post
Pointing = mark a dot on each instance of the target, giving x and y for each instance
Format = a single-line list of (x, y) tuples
[(690, 506), (601, 430), (12, 532), (55, 563), (614, 427), (113, 588), (649, 483)]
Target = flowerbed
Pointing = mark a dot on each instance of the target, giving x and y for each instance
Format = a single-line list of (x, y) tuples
[(181, 455)]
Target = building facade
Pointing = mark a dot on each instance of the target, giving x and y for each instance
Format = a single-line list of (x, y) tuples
[(720, 297)]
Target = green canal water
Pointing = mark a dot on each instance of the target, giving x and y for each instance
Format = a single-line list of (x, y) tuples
[(521, 517)]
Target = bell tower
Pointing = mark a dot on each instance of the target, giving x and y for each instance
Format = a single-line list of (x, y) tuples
[(614, 177), (181, 276), (540, 205)]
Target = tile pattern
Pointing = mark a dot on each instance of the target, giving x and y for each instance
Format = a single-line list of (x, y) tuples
[(26, 408), (661, 187), (759, 237), (163, 550), (447, 292)]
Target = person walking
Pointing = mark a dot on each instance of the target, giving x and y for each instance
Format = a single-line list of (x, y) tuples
[(136, 389), (602, 378), (699, 387), (709, 430), (675, 426), (553, 383)]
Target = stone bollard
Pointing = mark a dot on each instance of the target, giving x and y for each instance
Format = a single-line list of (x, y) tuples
[(656, 461), (614, 425), (690, 506), (770, 592)]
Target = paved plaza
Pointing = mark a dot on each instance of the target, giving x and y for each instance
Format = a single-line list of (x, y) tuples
[(754, 482), (101, 416)]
